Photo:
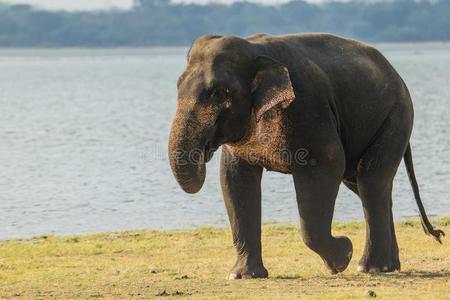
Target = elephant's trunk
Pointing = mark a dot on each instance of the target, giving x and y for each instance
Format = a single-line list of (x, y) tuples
[(187, 152)]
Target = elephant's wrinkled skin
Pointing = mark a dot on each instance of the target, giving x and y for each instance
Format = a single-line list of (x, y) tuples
[(322, 108)]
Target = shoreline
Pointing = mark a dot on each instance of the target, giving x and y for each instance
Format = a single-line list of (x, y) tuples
[(189, 228)]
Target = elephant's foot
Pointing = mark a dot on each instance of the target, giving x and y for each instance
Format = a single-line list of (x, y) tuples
[(247, 270), (340, 255), (380, 266), (381, 262)]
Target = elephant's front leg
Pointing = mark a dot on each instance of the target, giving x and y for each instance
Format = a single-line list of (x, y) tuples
[(241, 187), (317, 188)]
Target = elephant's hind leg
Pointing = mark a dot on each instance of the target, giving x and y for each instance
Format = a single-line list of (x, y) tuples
[(241, 187), (376, 172), (381, 249)]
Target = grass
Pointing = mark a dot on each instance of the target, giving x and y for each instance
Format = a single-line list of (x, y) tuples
[(155, 264)]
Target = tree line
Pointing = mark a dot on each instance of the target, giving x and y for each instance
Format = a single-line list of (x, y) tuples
[(161, 23)]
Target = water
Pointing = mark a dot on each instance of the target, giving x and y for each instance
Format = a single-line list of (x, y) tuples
[(83, 138)]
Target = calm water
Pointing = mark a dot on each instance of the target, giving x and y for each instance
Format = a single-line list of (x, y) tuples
[(83, 137)]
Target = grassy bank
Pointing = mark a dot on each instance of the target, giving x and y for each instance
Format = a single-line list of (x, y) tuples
[(154, 264)]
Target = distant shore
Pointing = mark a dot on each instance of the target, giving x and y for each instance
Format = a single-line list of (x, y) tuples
[(148, 264), (177, 48)]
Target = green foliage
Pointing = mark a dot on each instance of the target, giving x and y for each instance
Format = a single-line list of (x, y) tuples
[(161, 23)]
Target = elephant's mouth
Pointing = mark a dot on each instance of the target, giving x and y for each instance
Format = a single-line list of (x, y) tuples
[(209, 150), (213, 143)]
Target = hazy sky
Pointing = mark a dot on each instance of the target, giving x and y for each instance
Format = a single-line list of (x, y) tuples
[(103, 4)]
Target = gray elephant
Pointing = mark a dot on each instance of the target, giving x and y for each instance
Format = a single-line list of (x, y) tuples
[(320, 107)]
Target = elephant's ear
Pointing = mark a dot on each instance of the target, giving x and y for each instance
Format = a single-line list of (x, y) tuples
[(271, 86)]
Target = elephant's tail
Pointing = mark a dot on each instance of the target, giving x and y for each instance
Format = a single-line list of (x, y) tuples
[(427, 227)]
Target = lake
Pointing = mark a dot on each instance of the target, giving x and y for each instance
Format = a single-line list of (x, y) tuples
[(83, 139)]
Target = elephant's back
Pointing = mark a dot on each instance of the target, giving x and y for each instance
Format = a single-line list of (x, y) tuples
[(323, 45)]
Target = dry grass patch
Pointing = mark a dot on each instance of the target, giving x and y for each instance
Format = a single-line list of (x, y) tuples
[(155, 264)]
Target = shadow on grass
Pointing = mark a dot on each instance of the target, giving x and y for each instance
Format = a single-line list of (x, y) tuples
[(394, 275), (287, 277), (415, 274)]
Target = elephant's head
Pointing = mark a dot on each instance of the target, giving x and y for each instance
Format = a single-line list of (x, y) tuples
[(228, 83)]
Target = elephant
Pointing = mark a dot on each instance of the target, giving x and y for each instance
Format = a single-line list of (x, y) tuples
[(323, 108)]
